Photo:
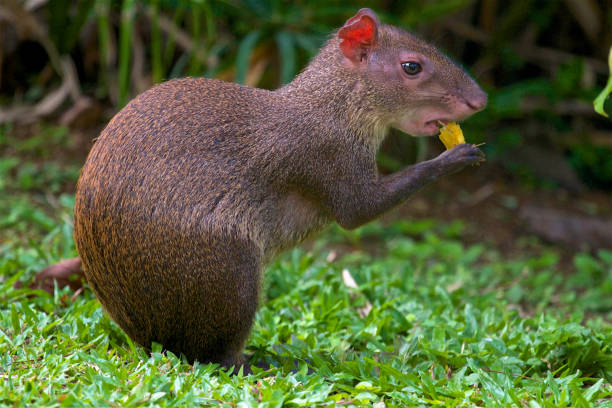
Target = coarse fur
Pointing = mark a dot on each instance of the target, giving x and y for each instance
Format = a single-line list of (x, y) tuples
[(197, 183)]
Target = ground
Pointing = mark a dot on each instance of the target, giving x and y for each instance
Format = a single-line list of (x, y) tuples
[(447, 301)]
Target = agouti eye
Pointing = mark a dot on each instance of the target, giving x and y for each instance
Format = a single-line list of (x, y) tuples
[(411, 67)]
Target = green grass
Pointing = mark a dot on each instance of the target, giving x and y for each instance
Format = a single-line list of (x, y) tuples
[(450, 325)]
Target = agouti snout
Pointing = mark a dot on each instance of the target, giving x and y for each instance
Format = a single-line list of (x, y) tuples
[(197, 183)]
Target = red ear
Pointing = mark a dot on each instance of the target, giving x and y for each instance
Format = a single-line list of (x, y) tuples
[(358, 35)]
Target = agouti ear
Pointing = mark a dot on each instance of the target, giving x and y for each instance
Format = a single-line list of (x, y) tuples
[(358, 35)]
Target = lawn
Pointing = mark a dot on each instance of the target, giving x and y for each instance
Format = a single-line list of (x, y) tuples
[(443, 303), (425, 321)]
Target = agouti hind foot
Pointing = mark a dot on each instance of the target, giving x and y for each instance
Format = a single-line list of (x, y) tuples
[(237, 361)]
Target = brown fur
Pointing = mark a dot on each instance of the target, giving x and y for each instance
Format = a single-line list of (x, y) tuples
[(197, 183)]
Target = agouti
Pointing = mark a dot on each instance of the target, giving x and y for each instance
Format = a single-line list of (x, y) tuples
[(197, 183)]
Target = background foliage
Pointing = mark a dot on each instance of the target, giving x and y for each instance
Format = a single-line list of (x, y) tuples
[(542, 61), (471, 312)]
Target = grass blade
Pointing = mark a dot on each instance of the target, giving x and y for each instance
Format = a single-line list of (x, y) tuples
[(15, 320), (157, 64), (171, 41), (211, 29), (125, 39), (196, 36), (102, 10)]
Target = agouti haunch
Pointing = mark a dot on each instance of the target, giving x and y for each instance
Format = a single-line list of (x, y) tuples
[(197, 183)]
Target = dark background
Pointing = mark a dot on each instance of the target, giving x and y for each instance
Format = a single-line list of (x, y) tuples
[(67, 66)]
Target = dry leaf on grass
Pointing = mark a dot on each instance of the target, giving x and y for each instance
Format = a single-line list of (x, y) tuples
[(349, 282)]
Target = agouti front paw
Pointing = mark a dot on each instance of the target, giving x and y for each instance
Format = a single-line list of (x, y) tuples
[(461, 156)]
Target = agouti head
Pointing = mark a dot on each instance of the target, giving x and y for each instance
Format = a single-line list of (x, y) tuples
[(397, 79)]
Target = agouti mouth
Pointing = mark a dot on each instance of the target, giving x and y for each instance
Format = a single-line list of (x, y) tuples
[(432, 126), (438, 122)]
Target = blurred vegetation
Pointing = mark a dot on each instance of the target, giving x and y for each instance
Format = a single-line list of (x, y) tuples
[(543, 62), (452, 323)]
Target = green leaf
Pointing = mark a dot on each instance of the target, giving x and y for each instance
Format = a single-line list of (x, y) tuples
[(243, 58), (8, 284), (599, 102), (592, 390), (15, 320)]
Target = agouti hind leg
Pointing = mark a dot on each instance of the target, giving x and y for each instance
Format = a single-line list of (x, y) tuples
[(196, 295), (224, 293)]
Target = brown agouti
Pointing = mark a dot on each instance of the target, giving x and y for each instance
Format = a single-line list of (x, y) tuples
[(197, 183)]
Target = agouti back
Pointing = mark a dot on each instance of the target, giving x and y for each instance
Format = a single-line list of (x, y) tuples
[(197, 183)]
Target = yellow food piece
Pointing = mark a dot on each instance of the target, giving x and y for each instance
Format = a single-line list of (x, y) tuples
[(451, 135)]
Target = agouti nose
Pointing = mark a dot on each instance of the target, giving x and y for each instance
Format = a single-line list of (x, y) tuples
[(476, 100)]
